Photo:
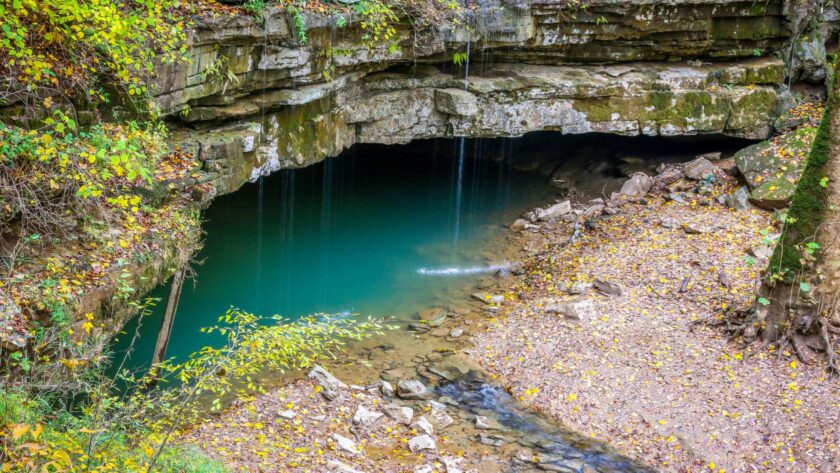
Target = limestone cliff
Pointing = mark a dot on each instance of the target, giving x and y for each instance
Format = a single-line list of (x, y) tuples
[(255, 99)]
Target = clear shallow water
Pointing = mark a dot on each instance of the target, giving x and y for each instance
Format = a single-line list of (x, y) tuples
[(375, 231)]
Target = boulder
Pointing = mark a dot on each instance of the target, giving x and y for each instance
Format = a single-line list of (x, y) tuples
[(771, 175), (330, 385), (456, 102), (698, 169), (387, 389), (638, 185), (422, 443), (412, 389), (555, 211)]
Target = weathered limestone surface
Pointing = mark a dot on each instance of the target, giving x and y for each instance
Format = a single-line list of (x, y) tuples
[(507, 100), (255, 100)]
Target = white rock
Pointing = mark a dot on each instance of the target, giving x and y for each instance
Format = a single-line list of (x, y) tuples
[(387, 389), (337, 466), (422, 443), (441, 418), (456, 332), (482, 422), (576, 310), (400, 414), (424, 426), (638, 185), (345, 444), (365, 417), (451, 464), (555, 211), (423, 469), (287, 414), (412, 389)]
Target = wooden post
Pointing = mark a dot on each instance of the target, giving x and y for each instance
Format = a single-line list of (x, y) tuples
[(168, 316)]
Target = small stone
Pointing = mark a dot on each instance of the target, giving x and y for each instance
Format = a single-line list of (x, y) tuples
[(519, 224), (331, 386), (423, 469), (345, 444), (319, 418), (456, 332), (337, 466), (486, 423), (700, 168), (555, 211), (579, 288), (424, 426), (287, 414), (422, 443), (576, 310), (412, 389), (488, 298), (607, 288), (713, 156), (400, 414), (740, 199), (451, 464), (387, 389), (493, 440), (365, 417), (441, 419)]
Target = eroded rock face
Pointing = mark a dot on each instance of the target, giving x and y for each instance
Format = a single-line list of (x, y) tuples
[(281, 104)]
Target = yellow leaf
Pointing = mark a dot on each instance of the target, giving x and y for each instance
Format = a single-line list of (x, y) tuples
[(18, 430), (36, 432)]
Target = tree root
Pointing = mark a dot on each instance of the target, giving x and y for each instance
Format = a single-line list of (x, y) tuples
[(829, 348)]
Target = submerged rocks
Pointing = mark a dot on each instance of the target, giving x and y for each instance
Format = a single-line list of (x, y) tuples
[(331, 386), (412, 389)]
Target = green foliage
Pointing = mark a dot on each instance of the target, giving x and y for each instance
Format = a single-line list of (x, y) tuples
[(300, 24), (460, 58), (255, 7), (68, 43), (134, 430), (378, 20)]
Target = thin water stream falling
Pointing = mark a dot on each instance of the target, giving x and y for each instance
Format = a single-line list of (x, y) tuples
[(460, 180)]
